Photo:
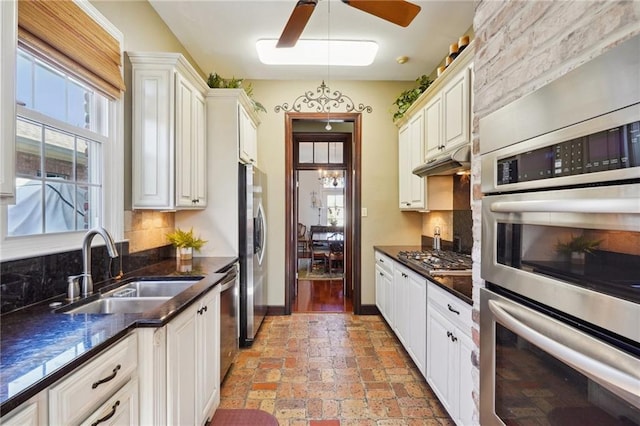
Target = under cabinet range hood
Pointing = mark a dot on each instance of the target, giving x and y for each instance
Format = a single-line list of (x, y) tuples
[(447, 163)]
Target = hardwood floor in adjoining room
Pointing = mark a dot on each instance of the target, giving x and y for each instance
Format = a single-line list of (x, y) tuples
[(331, 369), (321, 296)]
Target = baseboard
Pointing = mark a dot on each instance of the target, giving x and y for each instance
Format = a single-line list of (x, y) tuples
[(276, 310), (369, 310)]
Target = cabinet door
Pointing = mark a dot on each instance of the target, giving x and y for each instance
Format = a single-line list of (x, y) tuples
[(121, 409), (464, 396), (416, 296), (456, 106), (380, 291), (433, 142), (248, 138), (439, 355), (208, 344), (389, 297), (404, 162), (152, 139), (185, 133), (399, 308), (191, 157), (199, 151), (410, 155), (23, 416), (8, 26), (181, 369)]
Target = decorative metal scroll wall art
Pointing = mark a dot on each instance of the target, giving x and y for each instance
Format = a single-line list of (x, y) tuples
[(323, 100)]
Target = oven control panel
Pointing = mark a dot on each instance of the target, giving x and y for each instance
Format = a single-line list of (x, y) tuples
[(612, 149)]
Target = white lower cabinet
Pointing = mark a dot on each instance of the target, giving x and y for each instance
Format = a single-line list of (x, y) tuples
[(193, 362), (410, 307), (25, 415), (384, 286), (120, 409), (82, 393), (449, 348)]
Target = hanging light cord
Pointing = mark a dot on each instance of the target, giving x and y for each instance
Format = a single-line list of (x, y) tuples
[(328, 126)]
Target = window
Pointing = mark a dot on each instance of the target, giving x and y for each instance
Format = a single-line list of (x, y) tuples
[(335, 209), (69, 131), (60, 130)]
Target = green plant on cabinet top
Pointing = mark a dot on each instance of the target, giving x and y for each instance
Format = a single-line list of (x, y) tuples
[(408, 97), (216, 81)]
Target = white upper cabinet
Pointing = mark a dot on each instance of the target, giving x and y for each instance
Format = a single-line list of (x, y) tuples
[(448, 115), (248, 138), (169, 128), (446, 109), (432, 127), (410, 155), (8, 40), (456, 101)]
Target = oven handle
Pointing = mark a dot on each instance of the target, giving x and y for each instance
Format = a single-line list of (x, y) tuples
[(613, 369), (598, 205)]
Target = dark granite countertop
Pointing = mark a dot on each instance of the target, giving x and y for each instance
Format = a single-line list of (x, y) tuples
[(38, 346), (459, 286)]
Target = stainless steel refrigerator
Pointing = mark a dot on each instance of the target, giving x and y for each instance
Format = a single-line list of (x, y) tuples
[(253, 251)]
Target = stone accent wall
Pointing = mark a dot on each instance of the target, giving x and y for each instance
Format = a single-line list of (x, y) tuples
[(521, 46)]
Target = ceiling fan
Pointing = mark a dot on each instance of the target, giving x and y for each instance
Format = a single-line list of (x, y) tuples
[(399, 12)]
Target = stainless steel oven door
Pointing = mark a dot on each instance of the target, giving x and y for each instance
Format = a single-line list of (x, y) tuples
[(526, 248), (536, 369)]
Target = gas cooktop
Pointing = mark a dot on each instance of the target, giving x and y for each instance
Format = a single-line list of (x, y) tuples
[(438, 262)]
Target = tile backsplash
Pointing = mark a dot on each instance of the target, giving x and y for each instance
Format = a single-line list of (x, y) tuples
[(27, 281)]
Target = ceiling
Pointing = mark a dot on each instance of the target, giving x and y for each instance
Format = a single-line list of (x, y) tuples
[(220, 35)]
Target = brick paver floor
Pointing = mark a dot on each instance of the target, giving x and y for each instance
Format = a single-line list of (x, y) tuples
[(331, 370)]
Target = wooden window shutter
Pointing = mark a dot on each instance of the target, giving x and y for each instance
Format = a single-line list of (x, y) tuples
[(63, 32)]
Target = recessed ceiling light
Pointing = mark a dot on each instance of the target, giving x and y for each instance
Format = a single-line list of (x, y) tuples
[(402, 59), (356, 53)]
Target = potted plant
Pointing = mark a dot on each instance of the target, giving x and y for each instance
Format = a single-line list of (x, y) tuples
[(216, 81), (576, 247), (408, 97), (185, 242)]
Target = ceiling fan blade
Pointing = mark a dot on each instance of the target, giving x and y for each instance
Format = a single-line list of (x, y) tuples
[(297, 21), (400, 12)]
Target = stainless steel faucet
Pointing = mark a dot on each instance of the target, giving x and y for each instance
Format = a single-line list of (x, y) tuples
[(87, 280)]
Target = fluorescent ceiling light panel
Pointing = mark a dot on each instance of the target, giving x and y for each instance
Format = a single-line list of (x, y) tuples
[(355, 53)]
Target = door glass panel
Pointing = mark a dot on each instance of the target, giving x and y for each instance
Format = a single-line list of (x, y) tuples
[(599, 259), (534, 388), (305, 152), (335, 153), (321, 152)]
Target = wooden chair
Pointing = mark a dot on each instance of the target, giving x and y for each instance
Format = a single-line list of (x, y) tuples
[(335, 256), (303, 240)]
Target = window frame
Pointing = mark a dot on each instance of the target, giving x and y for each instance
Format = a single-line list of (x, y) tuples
[(12, 248)]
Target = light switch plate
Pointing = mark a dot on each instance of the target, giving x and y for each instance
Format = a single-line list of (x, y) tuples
[(365, 212)]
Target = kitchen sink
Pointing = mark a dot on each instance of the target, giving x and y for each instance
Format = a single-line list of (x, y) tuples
[(118, 305), (151, 288)]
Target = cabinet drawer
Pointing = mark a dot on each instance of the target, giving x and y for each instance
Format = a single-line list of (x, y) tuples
[(73, 398), (120, 409), (452, 308), (385, 262)]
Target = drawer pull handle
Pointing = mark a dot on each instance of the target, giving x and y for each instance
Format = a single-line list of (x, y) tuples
[(452, 310), (106, 379), (108, 416)]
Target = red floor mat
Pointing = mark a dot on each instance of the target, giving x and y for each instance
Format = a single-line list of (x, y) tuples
[(242, 417)]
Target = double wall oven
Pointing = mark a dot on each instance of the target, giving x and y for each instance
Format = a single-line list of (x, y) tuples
[(560, 313)]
